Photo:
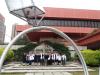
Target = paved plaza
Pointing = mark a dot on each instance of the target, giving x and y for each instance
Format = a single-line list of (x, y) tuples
[(49, 73), (42, 70)]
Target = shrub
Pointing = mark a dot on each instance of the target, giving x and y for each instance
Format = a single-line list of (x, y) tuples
[(18, 53), (61, 48), (22, 41), (91, 57), (9, 56), (58, 47)]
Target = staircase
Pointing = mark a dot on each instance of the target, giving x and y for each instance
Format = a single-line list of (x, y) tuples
[(42, 70)]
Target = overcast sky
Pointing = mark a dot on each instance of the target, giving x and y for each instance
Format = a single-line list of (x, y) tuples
[(79, 4)]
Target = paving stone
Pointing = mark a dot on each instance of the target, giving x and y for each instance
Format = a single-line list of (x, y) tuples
[(38, 73), (66, 73), (48, 73), (57, 73), (43, 70), (29, 74)]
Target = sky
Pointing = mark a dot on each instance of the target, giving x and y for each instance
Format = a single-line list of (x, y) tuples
[(10, 20)]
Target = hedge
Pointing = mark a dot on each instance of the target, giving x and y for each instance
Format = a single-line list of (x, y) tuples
[(18, 53), (9, 56), (58, 47), (92, 57), (61, 48)]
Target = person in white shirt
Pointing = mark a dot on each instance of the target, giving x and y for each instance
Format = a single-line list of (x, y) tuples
[(41, 58), (64, 59), (52, 57), (31, 58), (58, 59)]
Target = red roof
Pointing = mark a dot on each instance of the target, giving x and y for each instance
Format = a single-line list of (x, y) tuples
[(89, 36), (20, 28), (90, 39), (66, 13)]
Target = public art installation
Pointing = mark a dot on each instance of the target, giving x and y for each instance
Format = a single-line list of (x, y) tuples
[(29, 11)]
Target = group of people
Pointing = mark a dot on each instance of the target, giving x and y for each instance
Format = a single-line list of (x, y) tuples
[(44, 58)]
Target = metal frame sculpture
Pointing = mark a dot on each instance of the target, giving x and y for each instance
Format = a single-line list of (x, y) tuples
[(54, 30)]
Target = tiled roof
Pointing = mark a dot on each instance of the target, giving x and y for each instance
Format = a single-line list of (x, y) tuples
[(20, 28), (91, 39), (95, 32), (72, 13)]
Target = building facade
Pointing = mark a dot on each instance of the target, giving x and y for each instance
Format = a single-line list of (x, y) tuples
[(76, 23), (2, 29)]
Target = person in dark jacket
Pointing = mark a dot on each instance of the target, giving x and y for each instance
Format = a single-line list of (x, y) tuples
[(24, 58), (46, 56)]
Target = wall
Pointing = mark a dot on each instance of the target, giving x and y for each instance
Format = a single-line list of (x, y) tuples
[(13, 46)]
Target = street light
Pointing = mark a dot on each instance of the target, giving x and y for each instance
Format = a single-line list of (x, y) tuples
[(27, 10)]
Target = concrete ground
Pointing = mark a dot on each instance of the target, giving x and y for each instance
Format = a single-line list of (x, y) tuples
[(49, 73), (42, 70)]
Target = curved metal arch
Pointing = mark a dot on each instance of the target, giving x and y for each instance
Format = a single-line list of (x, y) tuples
[(60, 33)]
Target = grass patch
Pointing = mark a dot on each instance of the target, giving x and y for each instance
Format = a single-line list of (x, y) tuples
[(12, 73)]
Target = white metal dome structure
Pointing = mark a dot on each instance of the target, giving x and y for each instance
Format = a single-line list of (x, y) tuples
[(25, 9)]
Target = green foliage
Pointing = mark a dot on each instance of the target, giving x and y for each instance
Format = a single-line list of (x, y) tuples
[(75, 58), (20, 51), (9, 56), (22, 41), (92, 57), (60, 48)]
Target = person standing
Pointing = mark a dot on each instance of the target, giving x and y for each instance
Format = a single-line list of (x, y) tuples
[(46, 56), (27, 58), (59, 59), (49, 59), (52, 57), (38, 58), (41, 58), (64, 59), (24, 58), (31, 58)]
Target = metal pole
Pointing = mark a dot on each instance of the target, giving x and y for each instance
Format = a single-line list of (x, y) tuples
[(50, 29)]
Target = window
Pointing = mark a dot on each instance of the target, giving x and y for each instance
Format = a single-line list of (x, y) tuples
[(71, 23)]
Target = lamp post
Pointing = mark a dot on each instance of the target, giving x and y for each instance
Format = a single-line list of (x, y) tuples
[(28, 10)]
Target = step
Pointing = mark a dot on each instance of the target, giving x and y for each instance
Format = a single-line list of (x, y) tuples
[(49, 73), (41, 68)]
